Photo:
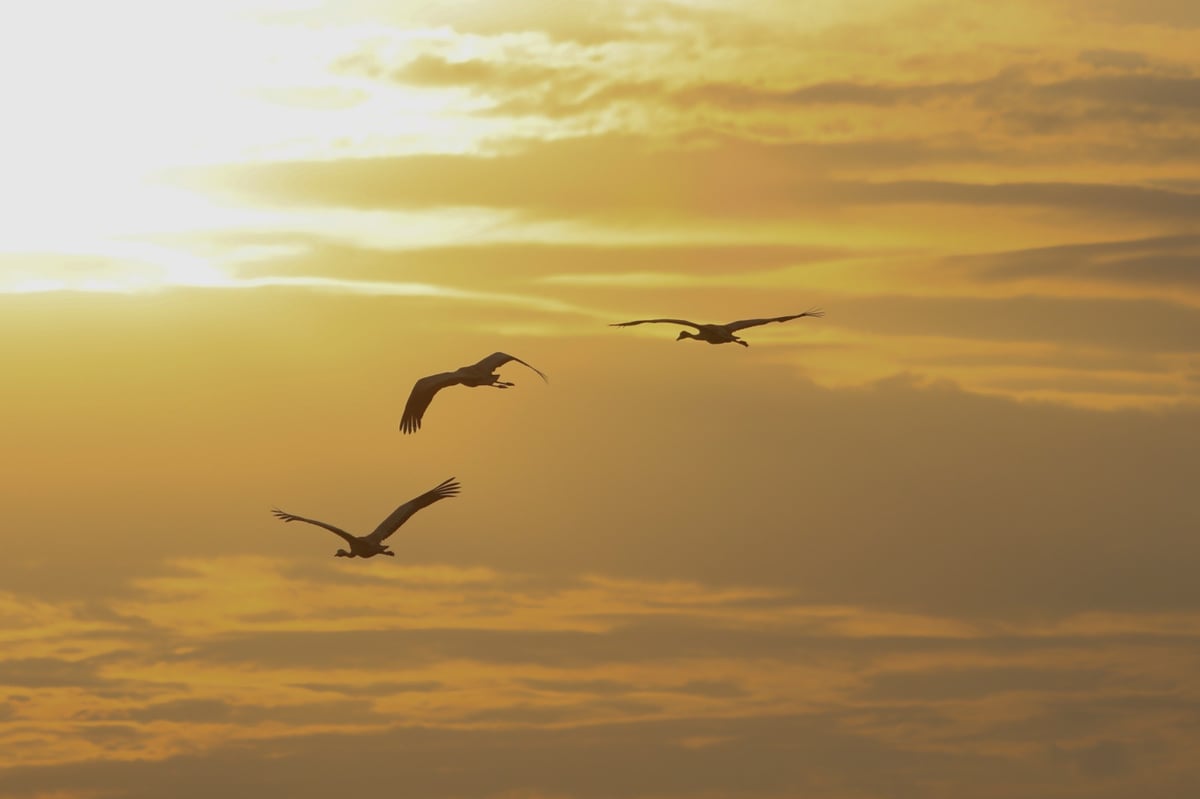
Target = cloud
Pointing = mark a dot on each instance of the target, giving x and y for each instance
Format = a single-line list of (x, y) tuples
[(1168, 261), (1149, 325), (1108, 58), (374, 688), (429, 70), (697, 680), (748, 757), (677, 570), (510, 264), (623, 178), (218, 711), (49, 672), (401, 289), (617, 760), (1123, 90), (927, 685), (1168, 13), (716, 689), (1113, 199), (1128, 91)]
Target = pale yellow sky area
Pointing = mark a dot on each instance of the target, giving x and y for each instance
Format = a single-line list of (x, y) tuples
[(932, 150), (940, 543)]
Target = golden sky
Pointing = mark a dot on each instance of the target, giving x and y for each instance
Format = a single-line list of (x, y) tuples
[(941, 543)]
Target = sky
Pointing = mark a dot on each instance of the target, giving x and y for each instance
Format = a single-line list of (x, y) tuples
[(940, 543)]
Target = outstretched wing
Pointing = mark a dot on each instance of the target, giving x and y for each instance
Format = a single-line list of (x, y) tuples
[(498, 359), (652, 321), (447, 488), (733, 327), (422, 394), (287, 517)]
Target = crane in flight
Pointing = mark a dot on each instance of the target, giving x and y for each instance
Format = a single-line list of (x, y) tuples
[(718, 334), (368, 546), (477, 374)]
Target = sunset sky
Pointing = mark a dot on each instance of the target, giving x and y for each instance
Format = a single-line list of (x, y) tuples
[(940, 544)]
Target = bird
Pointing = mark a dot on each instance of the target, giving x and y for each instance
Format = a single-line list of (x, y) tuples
[(719, 334), (477, 374), (368, 546)]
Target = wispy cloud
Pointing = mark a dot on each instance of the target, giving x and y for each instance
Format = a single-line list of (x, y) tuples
[(1165, 261), (385, 288)]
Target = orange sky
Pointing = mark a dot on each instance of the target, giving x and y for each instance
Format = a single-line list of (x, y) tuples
[(939, 543)]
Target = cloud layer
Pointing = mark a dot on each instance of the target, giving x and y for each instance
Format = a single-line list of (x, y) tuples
[(938, 543)]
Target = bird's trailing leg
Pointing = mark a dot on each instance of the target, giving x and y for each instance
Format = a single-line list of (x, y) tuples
[(498, 383), (390, 553), (739, 341)]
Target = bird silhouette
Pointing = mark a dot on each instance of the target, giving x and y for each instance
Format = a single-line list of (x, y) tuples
[(368, 546), (477, 374), (718, 334)]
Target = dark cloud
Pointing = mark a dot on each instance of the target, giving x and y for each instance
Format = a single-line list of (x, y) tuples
[(87, 673), (220, 711), (542, 715), (1102, 759), (1091, 737), (43, 672), (714, 689), (1062, 357), (111, 736), (1151, 326), (1126, 91), (1124, 201), (1168, 13), (939, 685), (1120, 90), (623, 178), (374, 689), (1125, 60), (720, 689), (1169, 261)]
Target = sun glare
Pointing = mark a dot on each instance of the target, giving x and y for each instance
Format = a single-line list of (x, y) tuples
[(124, 89), (131, 88)]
